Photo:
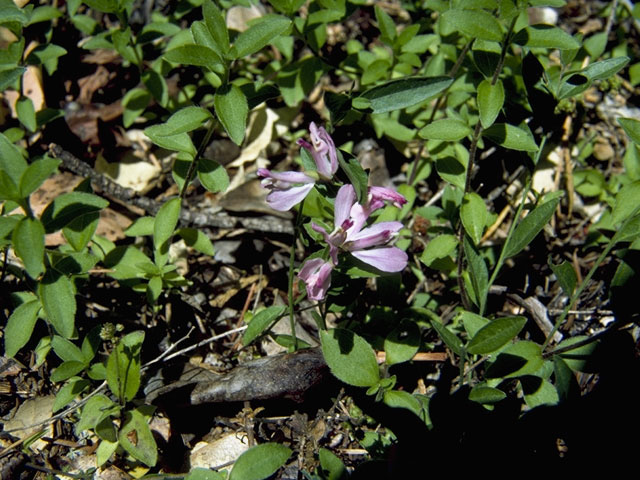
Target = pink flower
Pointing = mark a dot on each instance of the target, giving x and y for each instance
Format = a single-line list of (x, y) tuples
[(287, 189), (349, 234), (316, 274), (323, 151)]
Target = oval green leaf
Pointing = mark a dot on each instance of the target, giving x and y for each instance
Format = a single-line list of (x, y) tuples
[(259, 35), (486, 395), (261, 321), (28, 243), (472, 23), (58, 300), (490, 101), (136, 438), (402, 343), (545, 36), (165, 223), (350, 357), (20, 326), (510, 136), (529, 227), (448, 337), (260, 462), (473, 214), (232, 109), (631, 127), (68, 206), (495, 335), (197, 55), (404, 92), (212, 175), (521, 358), (449, 129)]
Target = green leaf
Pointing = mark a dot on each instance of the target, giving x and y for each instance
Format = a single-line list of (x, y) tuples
[(106, 6), (490, 101), (495, 335), (216, 25), (20, 326), (26, 113), (28, 243), (449, 129), (260, 462), (331, 466), (67, 370), (36, 173), (472, 322), (350, 358), (545, 36), (355, 173), (69, 392), (184, 120), (510, 136), (402, 343), (66, 350), (127, 263), (58, 300), (232, 110), (10, 76), (197, 240), (529, 227), (157, 85), (472, 23), (212, 175), (538, 391), (10, 13), (200, 473), (95, 411), (197, 55), (68, 206), (631, 127), (105, 450), (141, 227), (627, 202), (577, 359), (440, 247), (448, 337), (566, 276), (165, 224), (12, 163), (604, 68), (44, 14), (259, 35), (260, 322), (521, 358), (123, 367), (486, 395), (452, 170), (136, 438), (478, 273), (401, 399), (404, 92), (134, 102), (386, 25), (80, 230), (473, 214)]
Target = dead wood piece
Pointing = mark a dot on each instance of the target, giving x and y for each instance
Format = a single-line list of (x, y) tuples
[(288, 375), (265, 223)]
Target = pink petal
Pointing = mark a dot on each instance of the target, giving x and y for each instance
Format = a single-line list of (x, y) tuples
[(344, 201), (387, 259), (316, 274), (288, 177), (378, 194), (376, 229), (283, 200)]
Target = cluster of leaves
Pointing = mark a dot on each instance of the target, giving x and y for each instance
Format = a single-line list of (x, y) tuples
[(458, 76)]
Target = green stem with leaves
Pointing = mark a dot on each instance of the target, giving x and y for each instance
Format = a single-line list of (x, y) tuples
[(194, 163)]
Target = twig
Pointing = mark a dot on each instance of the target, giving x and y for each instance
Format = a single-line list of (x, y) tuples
[(265, 223), (206, 342)]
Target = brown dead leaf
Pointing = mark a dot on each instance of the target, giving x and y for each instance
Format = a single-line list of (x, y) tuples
[(89, 84)]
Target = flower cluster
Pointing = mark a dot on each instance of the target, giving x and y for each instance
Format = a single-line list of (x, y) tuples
[(370, 244)]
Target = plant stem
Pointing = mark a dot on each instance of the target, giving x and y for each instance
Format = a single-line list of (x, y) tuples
[(292, 257), (477, 131), (436, 107), (615, 239), (194, 162)]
